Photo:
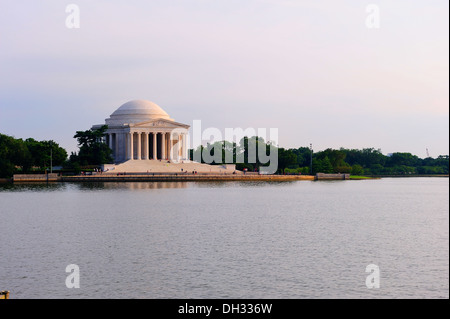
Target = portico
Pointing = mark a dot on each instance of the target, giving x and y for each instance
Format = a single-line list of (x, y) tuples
[(138, 144)]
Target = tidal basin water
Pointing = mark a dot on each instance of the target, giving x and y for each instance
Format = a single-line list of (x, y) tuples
[(226, 240)]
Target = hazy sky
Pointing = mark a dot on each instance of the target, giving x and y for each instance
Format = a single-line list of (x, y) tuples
[(312, 69)]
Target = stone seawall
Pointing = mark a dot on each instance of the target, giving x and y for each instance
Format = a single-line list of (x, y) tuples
[(322, 176), (52, 177), (183, 178), (176, 177)]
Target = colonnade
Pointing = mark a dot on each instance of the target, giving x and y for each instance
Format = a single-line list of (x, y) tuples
[(145, 145)]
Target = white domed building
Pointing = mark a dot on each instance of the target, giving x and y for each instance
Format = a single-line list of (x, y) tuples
[(145, 139), (142, 130)]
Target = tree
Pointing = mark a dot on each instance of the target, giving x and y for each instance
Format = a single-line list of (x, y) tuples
[(403, 159), (197, 154), (92, 149), (344, 169), (377, 169), (19, 155), (8, 155), (357, 170), (368, 161), (327, 167), (322, 166), (336, 157), (285, 159), (317, 166), (365, 157), (44, 152), (303, 156)]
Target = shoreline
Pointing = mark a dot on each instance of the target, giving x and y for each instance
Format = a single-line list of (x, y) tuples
[(32, 178), (184, 178), (412, 175)]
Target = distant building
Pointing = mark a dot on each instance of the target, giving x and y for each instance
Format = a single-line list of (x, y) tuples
[(142, 130)]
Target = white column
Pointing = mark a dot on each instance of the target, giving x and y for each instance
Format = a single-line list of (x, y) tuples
[(168, 145), (177, 147), (155, 156), (183, 149), (125, 145), (169, 148), (168, 140), (163, 145), (180, 147), (116, 147), (124, 148), (146, 150), (142, 145), (131, 146), (110, 143), (126, 137), (139, 153)]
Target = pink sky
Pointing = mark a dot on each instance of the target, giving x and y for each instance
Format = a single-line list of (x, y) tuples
[(314, 71)]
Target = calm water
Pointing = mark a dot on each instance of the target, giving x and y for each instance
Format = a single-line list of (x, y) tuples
[(227, 240)]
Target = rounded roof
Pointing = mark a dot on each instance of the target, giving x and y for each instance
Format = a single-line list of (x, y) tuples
[(141, 107), (137, 111)]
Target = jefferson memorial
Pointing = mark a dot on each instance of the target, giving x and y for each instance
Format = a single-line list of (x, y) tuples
[(142, 130), (144, 138)]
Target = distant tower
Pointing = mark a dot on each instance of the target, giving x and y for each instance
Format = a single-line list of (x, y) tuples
[(428, 154)]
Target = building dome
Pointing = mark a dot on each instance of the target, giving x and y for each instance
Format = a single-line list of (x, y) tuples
[(137, 111)]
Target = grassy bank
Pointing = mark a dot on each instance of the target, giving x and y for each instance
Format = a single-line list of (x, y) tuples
[(359, 177)]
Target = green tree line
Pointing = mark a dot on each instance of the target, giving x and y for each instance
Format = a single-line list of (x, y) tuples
[(31, 156), (367, 161), (27, 156), (370, 161)]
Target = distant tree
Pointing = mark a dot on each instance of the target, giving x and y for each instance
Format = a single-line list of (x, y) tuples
[(364, 157), (228, 152), (327, 166), (322, 166), (18, 155), (357, 170), (92, 149), (248, 147), (336, 157), (377, 169), (368, 161), (443, 161), (403, 159), (317, 166), (195, 154), (285, 159), (12, 154), (44, 153), (303, 156), (344, 169), (305, 170)]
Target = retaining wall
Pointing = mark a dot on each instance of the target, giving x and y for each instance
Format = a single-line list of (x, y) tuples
[(53, 177)]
